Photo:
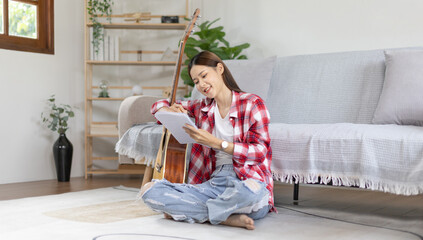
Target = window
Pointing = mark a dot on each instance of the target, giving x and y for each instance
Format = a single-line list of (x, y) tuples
[(27, 25)]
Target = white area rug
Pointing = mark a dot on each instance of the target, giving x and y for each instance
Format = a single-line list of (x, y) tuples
[(50, 217), (104, 212)]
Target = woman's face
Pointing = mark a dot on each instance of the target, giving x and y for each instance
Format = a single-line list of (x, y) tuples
[(208, 80)]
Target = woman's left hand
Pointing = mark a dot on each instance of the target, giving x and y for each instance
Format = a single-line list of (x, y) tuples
[(201, 136)]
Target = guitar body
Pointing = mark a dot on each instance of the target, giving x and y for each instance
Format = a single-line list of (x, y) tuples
[(170, 161), (174, 159)]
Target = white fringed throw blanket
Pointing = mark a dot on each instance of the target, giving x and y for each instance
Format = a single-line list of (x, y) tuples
[(141, 142), (386, 158)]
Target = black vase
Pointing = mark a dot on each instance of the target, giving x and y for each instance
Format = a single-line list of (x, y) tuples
[(62, 152)]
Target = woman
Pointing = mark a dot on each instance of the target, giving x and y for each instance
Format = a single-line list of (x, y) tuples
[(229, 176)]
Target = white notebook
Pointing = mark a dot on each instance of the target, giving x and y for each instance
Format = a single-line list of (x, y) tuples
[(174, 122)]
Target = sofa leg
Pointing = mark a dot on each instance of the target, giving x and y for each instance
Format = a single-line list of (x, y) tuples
[(296, 191)]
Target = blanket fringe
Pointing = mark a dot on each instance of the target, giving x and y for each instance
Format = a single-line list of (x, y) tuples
[(395, 188), (136, 155)]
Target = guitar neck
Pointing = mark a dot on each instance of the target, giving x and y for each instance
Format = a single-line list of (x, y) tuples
[(176, 73), (184, 39)]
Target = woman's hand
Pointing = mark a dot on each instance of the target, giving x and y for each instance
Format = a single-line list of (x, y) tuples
[(174, 108), (203, 137)]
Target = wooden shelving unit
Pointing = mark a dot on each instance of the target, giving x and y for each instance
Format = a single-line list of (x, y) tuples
[(155, 26), (147, 63), (95, 129)]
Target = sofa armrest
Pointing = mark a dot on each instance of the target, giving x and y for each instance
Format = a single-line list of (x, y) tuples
[(134, 110)]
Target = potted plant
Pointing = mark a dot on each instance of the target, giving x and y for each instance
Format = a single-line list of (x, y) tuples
[(95, 9), (56, 119), (210, 39)]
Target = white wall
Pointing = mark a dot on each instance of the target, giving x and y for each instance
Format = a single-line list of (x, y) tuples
[(273, 27), (26, 80), (290, 27)]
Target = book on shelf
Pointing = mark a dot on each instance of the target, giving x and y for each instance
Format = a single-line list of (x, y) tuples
[(108, 49), (100, 53), (112, 48), (117, 48), (91, 44)]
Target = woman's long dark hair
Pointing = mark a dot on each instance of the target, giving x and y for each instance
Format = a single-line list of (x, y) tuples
[(210, 59)]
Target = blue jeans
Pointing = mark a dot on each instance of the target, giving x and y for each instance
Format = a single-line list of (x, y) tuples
[(215, 200)]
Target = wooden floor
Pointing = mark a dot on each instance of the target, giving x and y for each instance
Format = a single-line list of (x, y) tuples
[(49, 187), (334, 198), (354, 200)]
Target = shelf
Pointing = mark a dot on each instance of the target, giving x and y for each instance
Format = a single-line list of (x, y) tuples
[(123, 169), (130, 87), (105, 99), (146, 63), (103, 130), (114, 171), (103, 135), (105, 158), (157, 26)]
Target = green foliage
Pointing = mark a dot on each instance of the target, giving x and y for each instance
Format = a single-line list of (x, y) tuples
[(22, 20), (57, 117), (99, 8), (210, 39)]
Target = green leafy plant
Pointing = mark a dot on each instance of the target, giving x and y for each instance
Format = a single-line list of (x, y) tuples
[(56, 119), (95, 9), (22, 19), (210, 39)]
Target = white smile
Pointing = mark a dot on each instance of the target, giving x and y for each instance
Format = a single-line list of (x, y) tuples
[(207, 89)]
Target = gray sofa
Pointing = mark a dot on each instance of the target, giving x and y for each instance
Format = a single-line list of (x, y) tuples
[(331, 118)]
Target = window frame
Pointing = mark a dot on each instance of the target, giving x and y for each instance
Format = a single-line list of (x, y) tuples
[(44, 43)]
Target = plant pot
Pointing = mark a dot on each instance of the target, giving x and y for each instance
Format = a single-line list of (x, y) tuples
[(62, 152)]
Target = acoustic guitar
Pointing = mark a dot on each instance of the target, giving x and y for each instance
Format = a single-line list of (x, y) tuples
[(170, 161)]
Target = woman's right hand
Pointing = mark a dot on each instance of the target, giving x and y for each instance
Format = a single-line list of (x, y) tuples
[(174, 108)]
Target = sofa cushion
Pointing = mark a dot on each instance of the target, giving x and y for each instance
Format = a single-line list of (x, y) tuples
[(402, 95), (251, 75), (379, 157), (326, 88)]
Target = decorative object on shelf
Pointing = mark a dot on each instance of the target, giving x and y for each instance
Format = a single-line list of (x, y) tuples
[(104, 86), (169, 55), (139, 16), (95, 9), (145, 16), (166, 92), (170, 19), (139, 55), (136, 90), (57, 120), (209, 39)]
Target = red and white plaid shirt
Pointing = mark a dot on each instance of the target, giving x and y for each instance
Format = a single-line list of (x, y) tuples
[(252, 155)]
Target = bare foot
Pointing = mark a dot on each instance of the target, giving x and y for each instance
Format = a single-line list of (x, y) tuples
[(167, 216), (240, 220)]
